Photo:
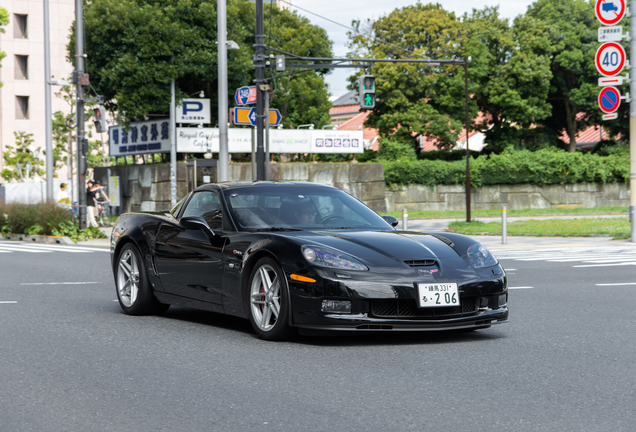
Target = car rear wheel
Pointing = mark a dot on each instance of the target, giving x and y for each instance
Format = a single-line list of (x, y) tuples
[(268, 301), (133, 288)]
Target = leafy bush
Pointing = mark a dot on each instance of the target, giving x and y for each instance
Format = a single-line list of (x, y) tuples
[(548, 166), (42, 219), (393, 150), (21, 217)]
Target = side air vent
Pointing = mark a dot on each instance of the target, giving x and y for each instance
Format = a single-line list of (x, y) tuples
[(420, 263)]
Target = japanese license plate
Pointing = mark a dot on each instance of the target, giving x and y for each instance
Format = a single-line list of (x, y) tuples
[(437, 294)]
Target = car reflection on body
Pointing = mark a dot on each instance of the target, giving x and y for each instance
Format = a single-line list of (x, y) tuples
[(244, 249)]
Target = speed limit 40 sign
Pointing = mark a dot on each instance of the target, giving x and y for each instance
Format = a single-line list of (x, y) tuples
[(610, 59)]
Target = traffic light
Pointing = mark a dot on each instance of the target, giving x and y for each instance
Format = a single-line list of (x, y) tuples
[(100, 119), (367, 92)]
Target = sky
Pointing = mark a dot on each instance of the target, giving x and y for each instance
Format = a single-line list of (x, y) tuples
[(343, 12)]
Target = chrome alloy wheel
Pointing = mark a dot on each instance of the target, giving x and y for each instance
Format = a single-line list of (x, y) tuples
[(128, 278), (265, 297)]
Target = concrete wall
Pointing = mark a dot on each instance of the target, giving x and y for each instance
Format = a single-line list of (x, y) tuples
[(147, 187), (453, 197)]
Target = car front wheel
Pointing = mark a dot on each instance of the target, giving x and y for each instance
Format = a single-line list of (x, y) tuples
[(268, 301)]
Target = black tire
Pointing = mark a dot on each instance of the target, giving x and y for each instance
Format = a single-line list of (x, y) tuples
[(131, 283), (269, 312)]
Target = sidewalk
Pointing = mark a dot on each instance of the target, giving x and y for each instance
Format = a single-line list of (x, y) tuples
[(524, 242)]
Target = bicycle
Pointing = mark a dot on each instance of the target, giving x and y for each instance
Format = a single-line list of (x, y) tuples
[(103, 213)]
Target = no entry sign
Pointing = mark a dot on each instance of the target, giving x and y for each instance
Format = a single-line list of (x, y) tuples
[(610, 12), (610, 59), (609, 99)]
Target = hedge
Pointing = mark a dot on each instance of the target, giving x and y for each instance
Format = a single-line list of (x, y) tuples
[(542, 167)]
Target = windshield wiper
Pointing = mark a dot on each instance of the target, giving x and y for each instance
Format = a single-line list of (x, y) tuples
[(274, 229)]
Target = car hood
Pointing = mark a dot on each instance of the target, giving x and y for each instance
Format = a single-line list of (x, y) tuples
[(371, 245)]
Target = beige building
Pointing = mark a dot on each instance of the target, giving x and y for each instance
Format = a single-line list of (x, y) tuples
[(22, 72)]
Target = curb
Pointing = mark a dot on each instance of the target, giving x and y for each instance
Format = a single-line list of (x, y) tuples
[(38, 239)]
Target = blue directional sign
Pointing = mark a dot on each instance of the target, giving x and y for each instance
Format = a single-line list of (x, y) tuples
[(245, 95), (247, 117)]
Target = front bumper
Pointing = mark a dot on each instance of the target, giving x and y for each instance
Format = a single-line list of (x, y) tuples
[(484, 318)]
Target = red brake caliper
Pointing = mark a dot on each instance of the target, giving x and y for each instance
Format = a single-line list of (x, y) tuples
[(262, 290)]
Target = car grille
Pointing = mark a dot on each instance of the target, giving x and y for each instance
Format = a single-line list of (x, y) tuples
[(420, 263), (407, 309)]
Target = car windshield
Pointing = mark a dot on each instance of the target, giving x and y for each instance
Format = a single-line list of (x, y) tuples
[(292, 207)]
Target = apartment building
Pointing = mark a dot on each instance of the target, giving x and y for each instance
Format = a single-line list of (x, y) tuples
[(22, 70)]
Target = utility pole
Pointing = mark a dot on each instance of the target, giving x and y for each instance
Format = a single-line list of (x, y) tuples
[(79, 94), (632, 125), (222, 81), (50, 173), (259, 65)]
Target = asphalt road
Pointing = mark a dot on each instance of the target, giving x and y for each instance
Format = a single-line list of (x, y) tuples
[(71, 361)]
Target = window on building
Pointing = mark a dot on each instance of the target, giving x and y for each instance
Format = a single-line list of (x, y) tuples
[(20, 26), (21, 67), (21, 107)]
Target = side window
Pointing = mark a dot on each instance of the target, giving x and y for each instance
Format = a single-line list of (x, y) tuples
[(207, 205)]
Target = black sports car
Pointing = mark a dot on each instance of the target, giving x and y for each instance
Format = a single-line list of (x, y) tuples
[(303, 255)]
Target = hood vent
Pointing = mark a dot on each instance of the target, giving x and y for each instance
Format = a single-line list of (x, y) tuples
[(420, 263), (443, 239)]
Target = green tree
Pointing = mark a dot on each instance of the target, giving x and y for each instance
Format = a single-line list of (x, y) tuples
[(137, 47), (4, 20), (412, 97), (20, 155), (568, 30), (509, 79)]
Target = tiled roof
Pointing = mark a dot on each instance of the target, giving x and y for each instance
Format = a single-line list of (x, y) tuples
[(349, 98), (344, 109), (357, 123)]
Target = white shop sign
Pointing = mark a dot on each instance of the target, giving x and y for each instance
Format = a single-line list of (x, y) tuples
[(196, 140)]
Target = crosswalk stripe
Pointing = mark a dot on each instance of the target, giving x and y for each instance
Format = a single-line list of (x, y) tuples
[(44, 248), (23, 250), (617, 284)]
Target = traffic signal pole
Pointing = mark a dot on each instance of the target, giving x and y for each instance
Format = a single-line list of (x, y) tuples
[(79, 94)]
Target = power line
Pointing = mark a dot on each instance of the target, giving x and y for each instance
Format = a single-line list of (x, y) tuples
[(351, 28)]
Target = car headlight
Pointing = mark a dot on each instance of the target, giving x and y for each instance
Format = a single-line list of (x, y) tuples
[(480, 256), (325, 257)]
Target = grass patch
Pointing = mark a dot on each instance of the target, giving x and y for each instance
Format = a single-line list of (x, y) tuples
[(523, 212), (618, 227)]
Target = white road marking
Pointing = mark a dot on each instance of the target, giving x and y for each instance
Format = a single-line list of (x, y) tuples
[(520, 287), (25, 247), (59, 283), (7, 302), (506, 269), (607, 265), (617, 284), (6, 249)]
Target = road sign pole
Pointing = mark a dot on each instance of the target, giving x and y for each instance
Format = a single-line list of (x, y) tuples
[(266, 119), (259, 65), (632, 125)]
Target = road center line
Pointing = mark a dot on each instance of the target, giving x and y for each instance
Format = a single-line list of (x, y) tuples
[(7, 302), (59, 283), (617, 284), (520, 287)]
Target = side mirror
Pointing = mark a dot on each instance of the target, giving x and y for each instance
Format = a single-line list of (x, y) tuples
[(391, 220), (197, 222)]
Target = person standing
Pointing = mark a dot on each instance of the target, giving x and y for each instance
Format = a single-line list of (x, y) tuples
[(63, 199), (90, 204)]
